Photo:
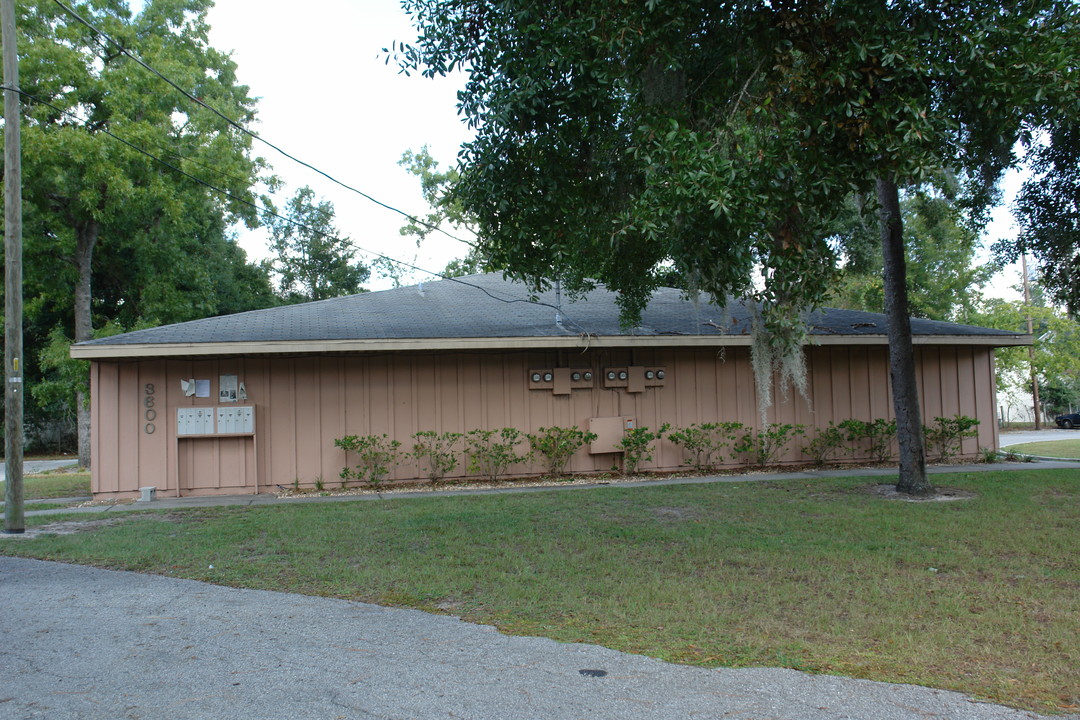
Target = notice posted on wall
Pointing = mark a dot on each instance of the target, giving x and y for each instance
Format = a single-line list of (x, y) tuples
[(202, 388), (227, 389)]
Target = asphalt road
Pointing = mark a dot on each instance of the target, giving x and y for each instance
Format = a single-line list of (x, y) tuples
[(81, 642), (36, 466), (1029, 436)]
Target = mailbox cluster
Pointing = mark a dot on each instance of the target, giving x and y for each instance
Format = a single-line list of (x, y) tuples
[(229, 421)]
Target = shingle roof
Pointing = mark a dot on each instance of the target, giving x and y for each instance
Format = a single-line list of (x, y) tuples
[(488, 307)]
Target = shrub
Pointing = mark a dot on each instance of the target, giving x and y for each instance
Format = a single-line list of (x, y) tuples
[(635, 446), (557, 445), (376, 456), (826, 445), (706, 442), (764, 446), (492, 452), (947, 434), (438, 450), (878, 434)]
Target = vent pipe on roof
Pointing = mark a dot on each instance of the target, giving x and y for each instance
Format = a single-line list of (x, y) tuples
[(420, 288)]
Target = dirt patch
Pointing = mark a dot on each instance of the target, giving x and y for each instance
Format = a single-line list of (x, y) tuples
[(675, 514), (68, 527), (889, 492)]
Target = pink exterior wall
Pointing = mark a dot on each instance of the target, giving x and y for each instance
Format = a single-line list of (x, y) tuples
[(303, 403)]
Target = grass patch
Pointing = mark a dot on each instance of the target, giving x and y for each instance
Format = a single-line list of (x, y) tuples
[(1050, 448), (42, 487), (980, 595)]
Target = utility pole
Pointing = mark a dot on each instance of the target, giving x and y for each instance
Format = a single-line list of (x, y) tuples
[(1031, 348), (14, 519)]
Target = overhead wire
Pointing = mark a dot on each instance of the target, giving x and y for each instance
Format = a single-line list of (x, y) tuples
[(267, 211), (234, 124)]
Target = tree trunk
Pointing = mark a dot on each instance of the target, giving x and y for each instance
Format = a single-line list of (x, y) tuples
[(86, 237), (909, 432)]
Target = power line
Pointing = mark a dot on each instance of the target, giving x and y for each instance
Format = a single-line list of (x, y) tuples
[(241, 128), (267, 211)]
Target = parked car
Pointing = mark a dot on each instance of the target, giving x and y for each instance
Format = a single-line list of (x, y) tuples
[(1069, 421)]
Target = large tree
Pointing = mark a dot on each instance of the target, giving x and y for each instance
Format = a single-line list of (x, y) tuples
[(614, 140), (98, 208), (314, 262)]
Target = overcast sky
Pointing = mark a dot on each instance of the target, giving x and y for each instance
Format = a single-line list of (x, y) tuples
[(327, 96)]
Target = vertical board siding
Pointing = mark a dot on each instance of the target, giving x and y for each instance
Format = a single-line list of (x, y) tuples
[(304, 403)]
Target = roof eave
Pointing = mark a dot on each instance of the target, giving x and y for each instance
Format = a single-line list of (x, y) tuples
[(580, 342)]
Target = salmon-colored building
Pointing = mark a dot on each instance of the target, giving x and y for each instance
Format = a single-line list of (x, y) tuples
[(249, 402)]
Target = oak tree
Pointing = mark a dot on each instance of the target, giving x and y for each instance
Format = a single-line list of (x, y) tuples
[(616, 140)]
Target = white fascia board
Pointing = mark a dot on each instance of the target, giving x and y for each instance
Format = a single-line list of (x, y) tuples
[(580, 342)]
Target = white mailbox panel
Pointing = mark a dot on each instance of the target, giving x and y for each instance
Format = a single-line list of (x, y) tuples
[(194, 421), (233, 420)]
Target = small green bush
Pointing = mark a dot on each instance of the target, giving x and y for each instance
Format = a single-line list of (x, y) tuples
[(945, 437), (492, 452), (557, 444), (826, 445), (376, 455), (705, 443), (878, 435), (438, 450), (635, 444), (764, 446)]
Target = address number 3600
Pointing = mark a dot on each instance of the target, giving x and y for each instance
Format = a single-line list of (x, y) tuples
[(149, 412)]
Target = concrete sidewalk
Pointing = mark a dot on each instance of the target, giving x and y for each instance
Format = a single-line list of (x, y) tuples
[(82, 642)]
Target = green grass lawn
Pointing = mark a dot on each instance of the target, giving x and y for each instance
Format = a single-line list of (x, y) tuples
[(1051, 448), (39, 487), (979, 595)]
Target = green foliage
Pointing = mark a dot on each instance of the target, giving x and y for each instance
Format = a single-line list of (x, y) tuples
[(943, 279), (1056, 346), (1048, 209), (636, 447), (492, 452), (765, 445), (616, 141), (376, 457), (705, 443), (946, 434), (877, 435), (557, 444), (313, 262), (438, 450), (827, 444)]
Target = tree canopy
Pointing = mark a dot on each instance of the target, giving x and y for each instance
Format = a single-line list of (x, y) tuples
[(313, 261), (1048, 209), (944, 280), (615, 139)]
